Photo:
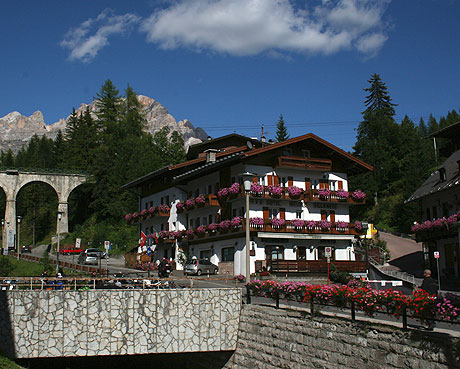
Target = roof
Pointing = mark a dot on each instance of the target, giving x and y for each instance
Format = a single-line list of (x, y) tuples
[(222, 142), (434, 184), (450, 132)]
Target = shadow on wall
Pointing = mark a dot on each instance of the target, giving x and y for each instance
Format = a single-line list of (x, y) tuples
[(6, 331), (411, 263), (193, 360)]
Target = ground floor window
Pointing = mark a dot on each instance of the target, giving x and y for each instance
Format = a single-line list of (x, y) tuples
[(301, 253), (228, 254), (205, 254), (275, 252)]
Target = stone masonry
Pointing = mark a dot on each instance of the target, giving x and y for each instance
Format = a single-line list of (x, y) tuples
[(35, 324), (273, 339)]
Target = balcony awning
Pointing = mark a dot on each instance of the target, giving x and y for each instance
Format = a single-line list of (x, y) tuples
[(300, 236)]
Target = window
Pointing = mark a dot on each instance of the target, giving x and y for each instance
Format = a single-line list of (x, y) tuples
[(277, 253), (283, 182), (306, 153), (167, 200), (301, 253), (273, 213), (442, 174), (191, 223), (205, 221), (210, 189), (210, 218), (197, 222), (333, 185), (428, 216), (228, 254), (298, 214), (435, 212)]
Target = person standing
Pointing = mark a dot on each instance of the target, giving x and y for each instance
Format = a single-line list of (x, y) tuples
[(430, 286)]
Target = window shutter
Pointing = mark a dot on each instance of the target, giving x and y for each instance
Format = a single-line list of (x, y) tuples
[(307, 184), (323, 215), (270, 179), (266, 215), (290, 181), (332, 215), (277, 180), (322, 185), (282, 213), (255, 179), (340, 185)]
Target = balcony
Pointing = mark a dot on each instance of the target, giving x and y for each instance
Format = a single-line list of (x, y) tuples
[(198, 202), (316, 266), (305, 163), (314, 196)]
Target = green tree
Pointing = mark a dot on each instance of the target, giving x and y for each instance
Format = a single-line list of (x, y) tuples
[(378, 99), (281, 130)]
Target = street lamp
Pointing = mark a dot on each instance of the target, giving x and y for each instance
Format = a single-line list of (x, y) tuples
[(247, 181), (365, 227), (58, 241), (3, 235), (19, 234)]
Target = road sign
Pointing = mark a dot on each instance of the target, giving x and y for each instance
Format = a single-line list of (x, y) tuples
[(328, 252), (149, 251), (77, 243), (436, 254), (107, 245)]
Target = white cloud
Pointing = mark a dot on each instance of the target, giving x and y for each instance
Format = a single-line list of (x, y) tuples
[(86, 40), (250, 27)]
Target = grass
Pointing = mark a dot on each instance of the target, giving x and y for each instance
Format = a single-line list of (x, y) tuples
[(23, 268), (6, 363)]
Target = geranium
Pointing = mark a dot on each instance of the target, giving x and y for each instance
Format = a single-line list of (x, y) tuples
[(310, 224), (223, 193), (297, 223), (135, 215), (224, 225), (341, 225), (234, 189), (324, 224), (358, 195), (213, 227), (162, 234), (189, 232), (437, 223), (128, 217), (163, 208), (358, 225), (143, 213), (152, 210), (278, 222), (257, 221), (236, 222), (178, 235), (257, 189), (275, 191), (342, 194), (426, 225), (190, 204), (324, 193), (200, 200), (294, 191), (201, 229), (180, 206)]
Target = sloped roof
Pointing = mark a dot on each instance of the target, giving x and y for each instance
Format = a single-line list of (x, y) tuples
[(434, 184)]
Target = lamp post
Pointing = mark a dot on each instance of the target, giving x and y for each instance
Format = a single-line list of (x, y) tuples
[(19, 234), (365, 227), (3, 236), (58, 241), (247, 180)]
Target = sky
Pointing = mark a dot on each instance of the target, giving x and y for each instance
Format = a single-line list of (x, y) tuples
[(234, 65)]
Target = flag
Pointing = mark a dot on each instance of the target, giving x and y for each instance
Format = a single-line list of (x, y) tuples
[(143, 239)]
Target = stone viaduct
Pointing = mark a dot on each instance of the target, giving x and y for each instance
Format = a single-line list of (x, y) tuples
[(11, 181)]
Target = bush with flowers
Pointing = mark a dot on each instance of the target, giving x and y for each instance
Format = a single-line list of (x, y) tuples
[(294, 192), (275, 191), (358, 195), (257, 189), (420, 305)]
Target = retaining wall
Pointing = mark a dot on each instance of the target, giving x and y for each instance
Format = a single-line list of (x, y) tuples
[(36, 324), (270, 339)]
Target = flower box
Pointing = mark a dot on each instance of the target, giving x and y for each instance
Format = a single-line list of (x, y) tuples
[(294, 192), (257, 189), (324, 193), (358, 195), (275, 191)]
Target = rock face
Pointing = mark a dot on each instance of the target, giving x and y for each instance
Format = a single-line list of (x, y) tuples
[(17, 129)]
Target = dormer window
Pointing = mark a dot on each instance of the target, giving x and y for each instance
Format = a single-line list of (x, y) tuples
[(442, 174)]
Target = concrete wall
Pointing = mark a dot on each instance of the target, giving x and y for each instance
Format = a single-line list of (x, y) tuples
[(270, 339), (36, 324)]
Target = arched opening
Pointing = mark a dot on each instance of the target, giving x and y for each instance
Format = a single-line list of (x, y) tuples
[(79, 205), (36, 204)]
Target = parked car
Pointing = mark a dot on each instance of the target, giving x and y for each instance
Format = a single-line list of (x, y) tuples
[(200, 266), (100, 254), (69, 251), (25, 249), (88, 258)]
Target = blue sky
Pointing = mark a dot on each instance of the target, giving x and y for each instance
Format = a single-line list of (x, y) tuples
[(233, 65)]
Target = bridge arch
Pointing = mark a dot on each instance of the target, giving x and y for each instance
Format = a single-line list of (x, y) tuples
[(11, 181)]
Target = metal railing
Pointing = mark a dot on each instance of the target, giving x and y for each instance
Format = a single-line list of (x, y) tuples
[(403, 276)]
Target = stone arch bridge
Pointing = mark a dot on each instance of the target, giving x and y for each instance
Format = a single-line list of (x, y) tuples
[(12, 180)]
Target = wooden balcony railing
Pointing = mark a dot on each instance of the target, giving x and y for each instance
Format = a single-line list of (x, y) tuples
[(305, 163), (315, 266), (287, 227), (313, 195)]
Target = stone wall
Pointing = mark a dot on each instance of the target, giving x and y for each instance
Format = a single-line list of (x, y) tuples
[(36, 324), (270, 339)]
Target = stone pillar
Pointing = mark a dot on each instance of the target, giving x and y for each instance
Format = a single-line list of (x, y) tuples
[(63, 208), (10, 221)]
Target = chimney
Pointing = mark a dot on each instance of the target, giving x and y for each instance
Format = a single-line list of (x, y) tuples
[(262, 139), (211, 155)]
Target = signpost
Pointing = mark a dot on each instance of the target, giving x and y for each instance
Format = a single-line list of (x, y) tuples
[(107, 248), (436, 256), (328, 254)]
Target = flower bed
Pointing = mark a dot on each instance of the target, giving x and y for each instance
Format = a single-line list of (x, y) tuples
[(420, 305)]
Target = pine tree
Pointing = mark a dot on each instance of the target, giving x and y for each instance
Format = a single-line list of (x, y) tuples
[(378, 99), (281, 130)]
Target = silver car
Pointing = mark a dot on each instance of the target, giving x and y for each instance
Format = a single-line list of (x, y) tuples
[(88, 258), (200, 267)]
